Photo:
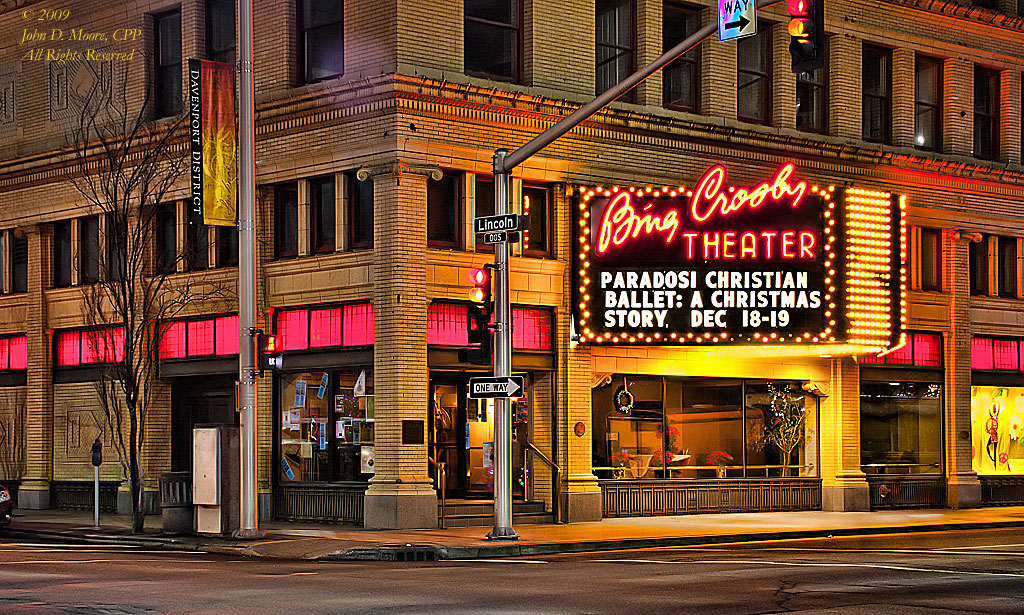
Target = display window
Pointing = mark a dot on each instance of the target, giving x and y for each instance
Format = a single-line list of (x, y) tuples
[(326, 426), (648, 427), (997, 430), (901, 427)]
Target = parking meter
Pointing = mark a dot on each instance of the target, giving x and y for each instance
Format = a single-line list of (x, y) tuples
[(97, 453)]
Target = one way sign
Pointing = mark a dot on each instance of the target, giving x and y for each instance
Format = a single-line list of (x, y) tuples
[(490, 387), (736, 19)]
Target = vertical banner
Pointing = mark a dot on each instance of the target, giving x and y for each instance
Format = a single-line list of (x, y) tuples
[(213, 142)]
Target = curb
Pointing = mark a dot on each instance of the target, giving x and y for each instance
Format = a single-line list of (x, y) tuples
[(167, 544), (437, 553)]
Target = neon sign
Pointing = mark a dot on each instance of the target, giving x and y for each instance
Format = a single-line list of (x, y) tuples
[(774, 262)]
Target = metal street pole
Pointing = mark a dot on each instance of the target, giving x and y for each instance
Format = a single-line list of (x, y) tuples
[(502, 368), (248, 518), (96, 498), (504, 162)]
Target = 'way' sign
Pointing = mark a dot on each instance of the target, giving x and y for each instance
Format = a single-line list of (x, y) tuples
[(736, 19), (491, 387)]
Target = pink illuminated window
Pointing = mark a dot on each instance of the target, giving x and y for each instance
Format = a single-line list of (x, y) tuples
[(448, 324), (5, 353), (172, 341), (358, 325), (981, 353), (1005, 354), (69, 348), (531, 329), (902, 356), (293, 329), (227, 335), (324, 328), (200, 338), (19, 352), (927, 350), (872, 360)]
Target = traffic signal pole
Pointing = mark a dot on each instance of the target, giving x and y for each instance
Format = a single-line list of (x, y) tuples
[(504, 162)]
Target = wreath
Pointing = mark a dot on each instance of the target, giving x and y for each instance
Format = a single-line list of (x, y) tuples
[(624, 401)]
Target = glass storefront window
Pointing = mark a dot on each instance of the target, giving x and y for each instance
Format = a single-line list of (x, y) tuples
[(901, 427), (997, 430), (326, 426), (651, 427)]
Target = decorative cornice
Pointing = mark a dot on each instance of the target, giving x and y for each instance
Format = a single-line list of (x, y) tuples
[(400, 168)]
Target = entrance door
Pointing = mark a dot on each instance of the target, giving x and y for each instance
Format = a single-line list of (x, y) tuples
[(462, 436), (197, 400)]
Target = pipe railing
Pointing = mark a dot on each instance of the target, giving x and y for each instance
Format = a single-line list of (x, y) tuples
[(442, 487), (556, 492)]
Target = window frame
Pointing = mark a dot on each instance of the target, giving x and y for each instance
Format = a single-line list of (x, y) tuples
[(352, 213), (280, 251), (690, 58), (302, 30), (455, 242), (821, 90), (981, 249), (62, 254), (990, 116), (884, 55), (935, 107), (164, 212), (215, 54), (517, 51), (632, 49), (1014, 275), (19, 264), (159, 66), (197, 241), (317, 237), (225, 256), (937, 257), (764, 35), (89, 251), (548, 209)]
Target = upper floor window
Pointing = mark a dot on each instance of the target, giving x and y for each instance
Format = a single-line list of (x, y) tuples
[(754, 82), (810, 100), (615, 42), (220, 30), (537, 205), (286, 220), (166, 237), (167, 82), (927, 102), (986, 101), (322, 208), (359, 212), (492, 38), (979, 266), (62, 253), (680, 79), (197, 242), (443, 212), (876, 78), (1009, 272), (89, 249), (484, 205), (929, 255), (116, 235), (321, 38), (89, 346), (19, 263), (227, 246)]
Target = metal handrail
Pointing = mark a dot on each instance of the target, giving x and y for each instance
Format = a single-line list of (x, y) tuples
[(442, 486), (556, 494)]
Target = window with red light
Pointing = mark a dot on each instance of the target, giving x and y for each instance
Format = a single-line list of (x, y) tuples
[(305, 328), (448, 325), (13, 352), (358, 323), (89, 347), (920, 350), (199, 338), (997, 354)]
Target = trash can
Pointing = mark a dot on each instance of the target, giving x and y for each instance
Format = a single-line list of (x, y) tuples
[(176, 502)]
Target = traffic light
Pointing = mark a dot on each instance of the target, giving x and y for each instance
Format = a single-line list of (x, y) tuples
[(267, 355), (807, 34), (480, 310)]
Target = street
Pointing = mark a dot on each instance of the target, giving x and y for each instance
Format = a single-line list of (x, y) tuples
[(968, 571)]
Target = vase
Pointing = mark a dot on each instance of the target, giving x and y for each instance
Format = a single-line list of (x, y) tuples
[(720, 472), (639, 464)]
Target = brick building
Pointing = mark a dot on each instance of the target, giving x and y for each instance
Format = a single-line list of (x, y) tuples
[(375, 129)]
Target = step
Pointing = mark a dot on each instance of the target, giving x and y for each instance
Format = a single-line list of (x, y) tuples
[(488, 520), (463, 507)]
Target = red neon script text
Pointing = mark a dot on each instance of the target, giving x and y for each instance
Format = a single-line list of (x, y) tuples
[(709, 198), (621, 222)]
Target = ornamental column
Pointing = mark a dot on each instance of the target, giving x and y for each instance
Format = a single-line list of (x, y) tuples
[(844, 485), (34, 490), (963, 489), (401, 494)]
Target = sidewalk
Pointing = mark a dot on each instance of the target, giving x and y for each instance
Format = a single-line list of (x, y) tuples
[(334, 542)]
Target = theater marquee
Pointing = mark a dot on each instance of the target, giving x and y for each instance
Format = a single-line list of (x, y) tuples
[(782, 261)]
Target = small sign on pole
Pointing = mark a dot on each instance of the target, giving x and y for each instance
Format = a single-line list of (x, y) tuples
[(736, 19), (503, 222), (495, 237)]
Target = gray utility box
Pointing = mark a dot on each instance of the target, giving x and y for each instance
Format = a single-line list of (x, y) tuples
[(216, 478)]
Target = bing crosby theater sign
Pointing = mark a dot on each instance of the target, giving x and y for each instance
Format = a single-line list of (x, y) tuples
[(783, 261)]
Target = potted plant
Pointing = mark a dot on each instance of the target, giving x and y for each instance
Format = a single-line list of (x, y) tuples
[(719, 459)]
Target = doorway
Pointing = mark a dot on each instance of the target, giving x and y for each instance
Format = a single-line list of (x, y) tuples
[(461, 435), (197, 400)]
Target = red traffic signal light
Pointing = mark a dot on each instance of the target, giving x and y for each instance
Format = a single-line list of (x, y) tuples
[(270, 343), (480, 278), (807, 34)]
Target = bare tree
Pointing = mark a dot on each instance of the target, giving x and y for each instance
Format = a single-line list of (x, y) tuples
[(125, 164)]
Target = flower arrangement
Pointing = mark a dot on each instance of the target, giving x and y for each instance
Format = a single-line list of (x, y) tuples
[(620, 458), (718, 458)]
